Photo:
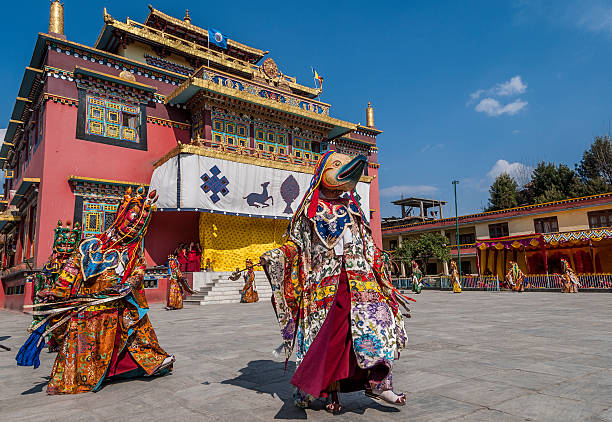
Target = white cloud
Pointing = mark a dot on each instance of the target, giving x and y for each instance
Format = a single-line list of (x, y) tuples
[(476, 95), (408, 190), (491, 106), (494, 108), (512, 87), (516, 170), (596, 18)]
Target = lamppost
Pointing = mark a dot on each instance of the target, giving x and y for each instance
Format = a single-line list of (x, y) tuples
[(455, 182)]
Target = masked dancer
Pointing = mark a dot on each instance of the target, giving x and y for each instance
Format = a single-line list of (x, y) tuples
[(455, 278), (417, 278), (99, 294), (331, 303), (569, 280), (248, 294), (178, 285), (515, 277)]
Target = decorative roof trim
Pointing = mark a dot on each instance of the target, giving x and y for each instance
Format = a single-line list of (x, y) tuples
[(82, 71), (76, 179), (190, 87), (190, 27)]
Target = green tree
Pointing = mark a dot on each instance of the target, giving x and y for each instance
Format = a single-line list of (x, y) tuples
[(425, 247), (553, 183), (596, 162), (433, 246), (503, 193), (407, 251)]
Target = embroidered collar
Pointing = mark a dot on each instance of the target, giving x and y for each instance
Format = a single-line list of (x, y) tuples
[(94, 261), (331, 220)]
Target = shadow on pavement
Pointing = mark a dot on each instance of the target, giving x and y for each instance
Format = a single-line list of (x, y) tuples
[(2, 347), (269, 377), (38, 388)]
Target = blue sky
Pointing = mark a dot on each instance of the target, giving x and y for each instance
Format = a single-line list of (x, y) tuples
[(462, 90)]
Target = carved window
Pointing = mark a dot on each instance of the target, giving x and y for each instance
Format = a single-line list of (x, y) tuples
[(111, 121), (97, 217), (229, 132), (304, 149)]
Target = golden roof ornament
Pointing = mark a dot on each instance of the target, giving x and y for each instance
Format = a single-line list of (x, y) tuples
[(369, 115), (270, 68), (56, 18), (127, 75), (187, 18)]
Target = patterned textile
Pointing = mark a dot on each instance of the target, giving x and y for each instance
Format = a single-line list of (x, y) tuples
[(330, 222), (417, 278), (304, 275), (230, 240), (89, 343), (178, 284), (515, 277), (569, 281), (249, 292), (175, 295), (99, 297), (455, 278), (65, 241)]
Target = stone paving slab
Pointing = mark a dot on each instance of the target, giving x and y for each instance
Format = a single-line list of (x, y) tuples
[(477, 356)]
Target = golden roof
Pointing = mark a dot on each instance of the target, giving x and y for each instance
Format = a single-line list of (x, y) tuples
[(186, 47), (193, 28)]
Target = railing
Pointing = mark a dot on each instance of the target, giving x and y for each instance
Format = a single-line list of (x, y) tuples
[(553, 281), (492, 283)]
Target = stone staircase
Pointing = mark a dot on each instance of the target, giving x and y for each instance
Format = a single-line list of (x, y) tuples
[(216, 288)]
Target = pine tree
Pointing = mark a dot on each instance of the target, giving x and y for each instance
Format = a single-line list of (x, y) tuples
[(503, 193)]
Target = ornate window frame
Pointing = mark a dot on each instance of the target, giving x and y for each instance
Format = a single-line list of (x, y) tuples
[(117, 90)]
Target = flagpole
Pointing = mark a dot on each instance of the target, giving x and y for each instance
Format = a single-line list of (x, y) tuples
[(315, 79), (208, 47)]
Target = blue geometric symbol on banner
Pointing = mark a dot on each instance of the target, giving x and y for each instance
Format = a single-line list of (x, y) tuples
[(215, 184)]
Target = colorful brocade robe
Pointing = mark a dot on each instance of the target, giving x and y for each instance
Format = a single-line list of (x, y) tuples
[(515, 278), (569, 281), (417, 278), (96, 335), (249, 294), (304, 275), (175, 293), (456, 282)]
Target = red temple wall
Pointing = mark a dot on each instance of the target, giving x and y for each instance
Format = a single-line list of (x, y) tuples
[(166, 230), (87, 159), (375, 223), (15, 302)]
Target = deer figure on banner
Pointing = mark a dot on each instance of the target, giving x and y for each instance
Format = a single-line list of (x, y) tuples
[(260, 199)]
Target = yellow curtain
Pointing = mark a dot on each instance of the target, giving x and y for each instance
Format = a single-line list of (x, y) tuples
[(229, 240)]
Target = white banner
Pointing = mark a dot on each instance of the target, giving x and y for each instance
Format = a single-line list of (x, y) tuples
[(229, 187)]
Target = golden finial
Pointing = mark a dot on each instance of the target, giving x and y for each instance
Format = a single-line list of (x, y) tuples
[(56, 18), (369, 115), (187, 18)]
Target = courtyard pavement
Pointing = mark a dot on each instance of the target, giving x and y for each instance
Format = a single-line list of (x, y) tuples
[(477, 356)]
